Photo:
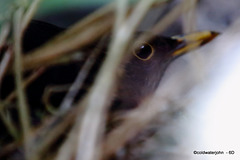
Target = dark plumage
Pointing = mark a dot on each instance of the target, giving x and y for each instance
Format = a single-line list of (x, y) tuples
[(142, 72), (141, 77)]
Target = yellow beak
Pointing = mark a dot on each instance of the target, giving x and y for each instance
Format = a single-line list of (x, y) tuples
[(192, 41)]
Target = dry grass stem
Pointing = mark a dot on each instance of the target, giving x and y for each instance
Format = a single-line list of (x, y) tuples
[(8, 149), (93, 120), (82, 75), (133, 123), (5, 63), (189, 18), (45, 136), (84, 32), (30, 13), (81, 34), (26, 82), (126, 131), (22, 105), (68, 149), (7, 120), (5, 29), (91, 19), (49, 52), (121, 12), (170, 17), (167, 20), (77, 131)]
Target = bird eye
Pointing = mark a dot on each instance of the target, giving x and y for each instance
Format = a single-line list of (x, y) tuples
[(143, 51)]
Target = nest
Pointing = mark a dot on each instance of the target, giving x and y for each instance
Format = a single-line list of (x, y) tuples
[(80, 129)]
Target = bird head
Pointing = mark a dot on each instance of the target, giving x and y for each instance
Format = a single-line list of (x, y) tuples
[(144, 70)]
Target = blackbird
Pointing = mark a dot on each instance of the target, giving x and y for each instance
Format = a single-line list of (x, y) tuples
[(142, 71), (140, 76)]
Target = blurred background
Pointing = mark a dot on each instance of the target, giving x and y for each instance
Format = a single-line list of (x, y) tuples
[(210, 14), (213, 15)]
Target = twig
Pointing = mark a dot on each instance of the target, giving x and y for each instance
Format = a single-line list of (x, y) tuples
[(68, 149), (81, 39), (56, 131), (7, 120), (45, 136), (97, 101), (48, 91), (86, 22), (166, 21), (22, 105), (4, 33), (10, 148), (126, 131), (121, 12), (78, 83), (189, 18), (81, 34), (69, 146), (30, 13), (133, 123), (26, 82), (169, 18), (5, 63)]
